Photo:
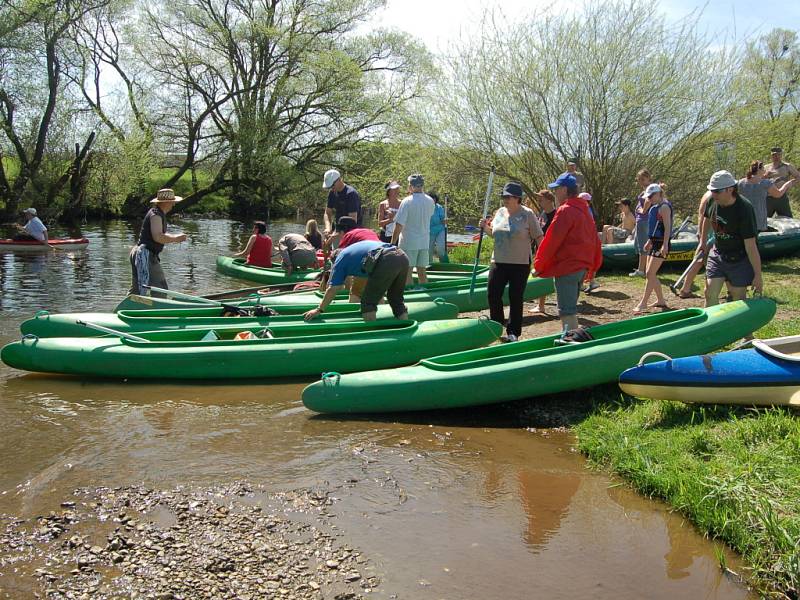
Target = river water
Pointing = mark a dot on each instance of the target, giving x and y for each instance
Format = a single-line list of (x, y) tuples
[(464, 504)]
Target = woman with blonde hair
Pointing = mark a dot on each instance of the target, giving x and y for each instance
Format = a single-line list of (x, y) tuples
[(313, 234)]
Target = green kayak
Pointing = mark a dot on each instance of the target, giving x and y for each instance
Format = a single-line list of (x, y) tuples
[(538, 366), (284, 350), (783, 239), (455, 291), (66, 325), (238, 267)]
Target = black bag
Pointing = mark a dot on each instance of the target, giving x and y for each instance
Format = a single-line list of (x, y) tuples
[(575, 336), (371, 259)]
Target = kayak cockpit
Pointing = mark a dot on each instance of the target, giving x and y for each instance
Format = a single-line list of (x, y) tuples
[(609, 333), (783, 348)]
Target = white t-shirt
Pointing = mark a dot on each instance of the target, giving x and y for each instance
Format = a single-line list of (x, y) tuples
[(35, 228), (414, 215)]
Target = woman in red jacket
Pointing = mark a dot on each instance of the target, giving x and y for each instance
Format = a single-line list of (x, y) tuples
[(570, 248), (259, 247)]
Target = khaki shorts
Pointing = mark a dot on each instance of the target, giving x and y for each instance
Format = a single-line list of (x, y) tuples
[(357, 285)]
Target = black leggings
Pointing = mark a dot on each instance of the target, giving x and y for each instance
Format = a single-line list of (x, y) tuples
[(516, 276)]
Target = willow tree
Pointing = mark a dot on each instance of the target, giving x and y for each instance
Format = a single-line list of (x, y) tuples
[(612, 85), (36, 42)]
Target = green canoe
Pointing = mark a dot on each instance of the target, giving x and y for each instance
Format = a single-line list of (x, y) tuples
[(238, 267), (286, 351), (66, 325), (783, 241), (455, 291), (538, 366)]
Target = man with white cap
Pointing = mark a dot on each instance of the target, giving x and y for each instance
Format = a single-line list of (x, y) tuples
[(33, 230), (733, 258), (343, 200), (413, 227), (144, 256)]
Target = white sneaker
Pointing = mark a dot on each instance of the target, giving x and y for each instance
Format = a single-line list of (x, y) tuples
[(508, 338), (593, 285), (636, 273)]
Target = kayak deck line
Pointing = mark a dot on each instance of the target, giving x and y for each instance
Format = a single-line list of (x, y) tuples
[(603, 335)]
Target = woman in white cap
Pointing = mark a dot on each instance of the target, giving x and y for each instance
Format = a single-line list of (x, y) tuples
[(388, 209), (659, 228), (733, 259), (145, 264)]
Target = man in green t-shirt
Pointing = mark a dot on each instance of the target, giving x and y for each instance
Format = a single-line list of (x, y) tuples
[(734, 258)]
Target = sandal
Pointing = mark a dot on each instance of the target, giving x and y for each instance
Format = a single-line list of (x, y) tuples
[(657, 305), (684, 296)]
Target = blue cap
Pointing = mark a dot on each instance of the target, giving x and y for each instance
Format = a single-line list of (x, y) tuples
[(565, 179)]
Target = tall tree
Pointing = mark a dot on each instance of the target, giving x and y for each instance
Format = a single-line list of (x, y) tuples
[(612, 85)]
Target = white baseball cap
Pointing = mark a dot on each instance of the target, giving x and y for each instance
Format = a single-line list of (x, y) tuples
[(331, 176), (30, 211), (653, 188), (721, 180)]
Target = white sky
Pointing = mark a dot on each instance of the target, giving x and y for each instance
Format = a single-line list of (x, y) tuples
[(440, 22)]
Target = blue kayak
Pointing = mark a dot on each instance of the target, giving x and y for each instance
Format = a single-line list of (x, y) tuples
[(766, 375)]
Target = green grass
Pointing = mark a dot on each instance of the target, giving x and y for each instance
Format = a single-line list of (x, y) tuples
[(733, 471), (217, 203), (466, 254)]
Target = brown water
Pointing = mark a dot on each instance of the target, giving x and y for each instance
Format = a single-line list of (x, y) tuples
[(463, 504)]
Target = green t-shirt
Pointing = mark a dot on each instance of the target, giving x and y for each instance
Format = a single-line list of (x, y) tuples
[(732, 226)]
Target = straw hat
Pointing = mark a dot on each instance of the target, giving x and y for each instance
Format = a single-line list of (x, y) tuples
[(166, 195)]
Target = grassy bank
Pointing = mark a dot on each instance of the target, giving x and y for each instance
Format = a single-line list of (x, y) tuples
[(734, 472)]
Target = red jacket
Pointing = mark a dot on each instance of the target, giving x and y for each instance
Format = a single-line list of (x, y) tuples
[(261, 253), (571, 243)]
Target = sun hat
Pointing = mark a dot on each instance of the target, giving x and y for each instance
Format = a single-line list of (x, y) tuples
[(512, 188), (30, 211), (391, 185), (166, 195), (721, 180), (651, 189), (416, 180), (585, 196), (566, 180), (331, 177)]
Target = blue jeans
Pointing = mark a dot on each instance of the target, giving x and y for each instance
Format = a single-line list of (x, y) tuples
[(568, 288), (439, 245)]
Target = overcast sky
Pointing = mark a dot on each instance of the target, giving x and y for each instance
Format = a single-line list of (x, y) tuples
[(440, 22)]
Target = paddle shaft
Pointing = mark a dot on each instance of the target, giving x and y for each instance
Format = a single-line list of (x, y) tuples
[(248, 291), (679, 282), (489, 185), (181, 296), (122, 334)]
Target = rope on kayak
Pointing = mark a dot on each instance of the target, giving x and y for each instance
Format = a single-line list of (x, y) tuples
[(652, 354), (485, 320), (331, 378), (30, 336), (41, 313), (439, 301)]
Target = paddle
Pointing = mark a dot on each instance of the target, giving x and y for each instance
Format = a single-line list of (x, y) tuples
[(446, 198), (248, 291), (681, 227), (121, 334), (675, 287), (480, 236), (181, 296)]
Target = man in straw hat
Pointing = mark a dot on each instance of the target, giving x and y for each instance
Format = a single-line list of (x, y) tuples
[(145, 264)]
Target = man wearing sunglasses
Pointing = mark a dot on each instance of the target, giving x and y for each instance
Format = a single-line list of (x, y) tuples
[(733, 259)]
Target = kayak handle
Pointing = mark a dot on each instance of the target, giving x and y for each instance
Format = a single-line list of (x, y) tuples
[(41, 313), (439, 301), (652, 354), (331, 378), (30, 336)]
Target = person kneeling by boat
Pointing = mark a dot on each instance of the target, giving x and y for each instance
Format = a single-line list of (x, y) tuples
[(296, 252), (145, 263), (733, 259), (384, 266)]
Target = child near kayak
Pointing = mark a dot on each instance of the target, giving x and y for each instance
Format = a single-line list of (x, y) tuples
[(659, 228)]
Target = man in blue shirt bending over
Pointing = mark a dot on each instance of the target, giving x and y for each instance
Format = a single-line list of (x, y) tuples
[(385, 268)]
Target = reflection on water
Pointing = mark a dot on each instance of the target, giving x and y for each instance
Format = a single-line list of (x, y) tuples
[(464, 501)]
